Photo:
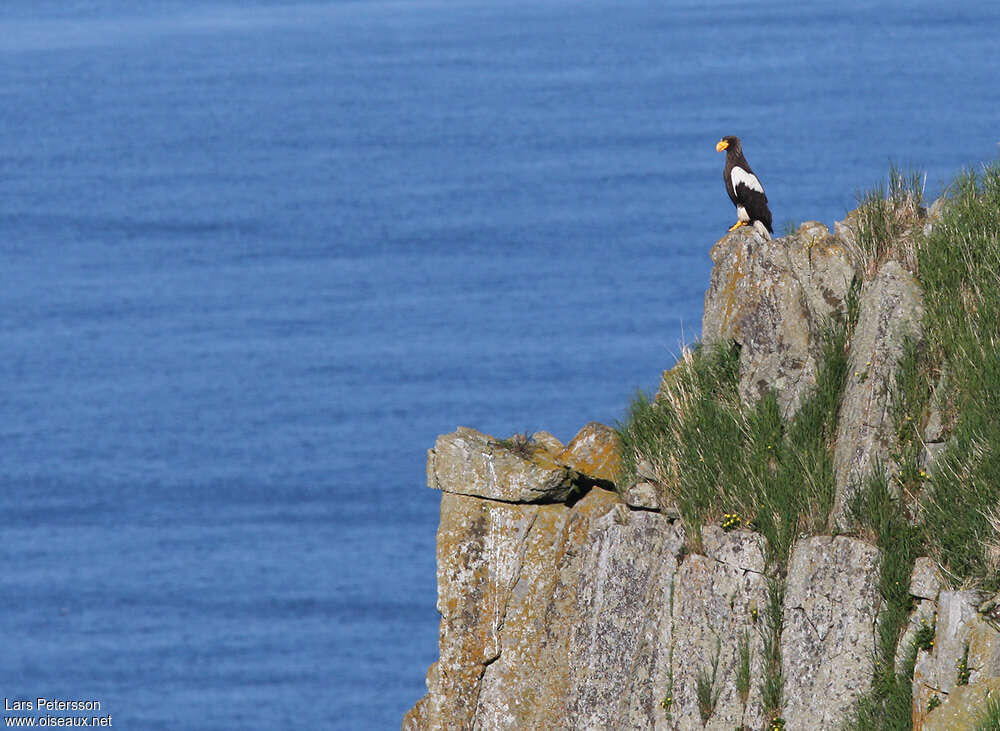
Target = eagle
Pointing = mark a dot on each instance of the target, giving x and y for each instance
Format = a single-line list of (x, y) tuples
[(744, 187)]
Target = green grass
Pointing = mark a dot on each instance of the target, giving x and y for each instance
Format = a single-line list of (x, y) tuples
[(959, 270), (881, 515), (887, 707), (686, 440), (912, 399), (713, 457), (957, 266), (962, 670), (989, 717), (773, 682), (706, 688), (743, 659)]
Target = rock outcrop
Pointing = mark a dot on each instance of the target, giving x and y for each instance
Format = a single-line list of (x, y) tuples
[(568, 601), (525, 641), (774, 298), (889, 314), (468, 462), (965, 657)]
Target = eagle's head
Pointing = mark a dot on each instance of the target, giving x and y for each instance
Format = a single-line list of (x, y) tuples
[(729, 142)]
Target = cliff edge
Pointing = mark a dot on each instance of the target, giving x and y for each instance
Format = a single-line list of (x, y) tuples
[(580, 592)]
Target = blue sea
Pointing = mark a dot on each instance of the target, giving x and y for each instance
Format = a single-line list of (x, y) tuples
[(255, 256)]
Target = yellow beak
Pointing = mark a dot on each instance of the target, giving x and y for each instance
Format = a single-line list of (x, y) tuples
[(721, 146)]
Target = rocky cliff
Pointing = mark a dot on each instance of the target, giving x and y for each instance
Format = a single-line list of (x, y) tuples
[(573, 598)]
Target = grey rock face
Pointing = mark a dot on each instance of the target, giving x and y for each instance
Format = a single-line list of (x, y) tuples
[(649, 679), (827, 639), (563, 617), (642, 495), (544, 609), (714, 603), (613, 609), (584, 617), (889, 313), (774, 298), (959, 626), (925, 580)]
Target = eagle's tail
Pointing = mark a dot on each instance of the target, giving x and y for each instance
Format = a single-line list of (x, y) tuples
[(760, 228)]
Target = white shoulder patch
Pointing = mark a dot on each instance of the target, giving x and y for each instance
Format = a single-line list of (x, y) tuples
[(739, 175)]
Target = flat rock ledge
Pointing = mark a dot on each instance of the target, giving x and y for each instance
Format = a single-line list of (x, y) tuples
[(521, 469)]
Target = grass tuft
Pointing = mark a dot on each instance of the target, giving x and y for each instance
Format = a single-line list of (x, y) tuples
[(957, 522), (773, 682), (743, 669), (989, 717), (520, 444), (706, 689), (962, 670), (683, 442), (880, 514), (887, 220)]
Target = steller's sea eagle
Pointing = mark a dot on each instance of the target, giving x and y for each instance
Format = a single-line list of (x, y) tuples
[(743, 187)]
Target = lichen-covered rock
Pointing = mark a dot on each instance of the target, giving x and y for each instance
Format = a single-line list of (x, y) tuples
[(716, 604), (642, 495), (889, 314), (582, 616), (925, 579), (548, 441), (426, 712), (774, 298), (518, 689), (844, 233), (479, 553), (827, 639), (961, 710), (963, 639), (990, 609), (593, 452), (957, 610), (649, 680), (468, 462), (925, 585), (543, 612)]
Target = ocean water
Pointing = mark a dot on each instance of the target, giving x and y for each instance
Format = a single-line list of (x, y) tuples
[(256, 255)]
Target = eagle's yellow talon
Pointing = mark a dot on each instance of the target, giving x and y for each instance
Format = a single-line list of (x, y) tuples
[(737, 225)]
